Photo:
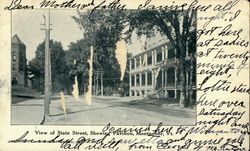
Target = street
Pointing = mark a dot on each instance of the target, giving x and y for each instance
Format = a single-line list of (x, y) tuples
[(113, 110)]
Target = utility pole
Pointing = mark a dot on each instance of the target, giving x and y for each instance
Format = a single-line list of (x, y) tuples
[(47, 86), (50, 78)]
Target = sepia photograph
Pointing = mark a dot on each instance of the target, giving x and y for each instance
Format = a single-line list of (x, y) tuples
[(123, 67), (124, 75)]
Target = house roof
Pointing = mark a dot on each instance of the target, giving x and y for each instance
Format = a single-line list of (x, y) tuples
[(152, 47), (16, 40)]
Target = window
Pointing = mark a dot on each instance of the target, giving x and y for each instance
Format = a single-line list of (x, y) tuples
[(171, 94), (13, 67), (137, 80), (137, 63), (132, 64), (144, 60), (14, 57), (138, 94), (132, 80), (132, 93), (149, 78), (171, 54), (21, 68), (14, 81), (171, 77), (143, 92), (143, 79), (159, 57), (149, 60)]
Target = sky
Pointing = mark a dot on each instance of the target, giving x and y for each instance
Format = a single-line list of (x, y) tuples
[(27, 25)]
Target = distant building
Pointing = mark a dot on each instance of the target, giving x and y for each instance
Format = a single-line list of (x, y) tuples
[(154, 71), (18, 64)]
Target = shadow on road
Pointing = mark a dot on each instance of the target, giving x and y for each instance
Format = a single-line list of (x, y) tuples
[(164, 106), (91, 109), (27, 105), (19, 99)]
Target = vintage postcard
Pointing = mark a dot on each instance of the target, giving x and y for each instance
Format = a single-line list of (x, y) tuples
[(118, 75)]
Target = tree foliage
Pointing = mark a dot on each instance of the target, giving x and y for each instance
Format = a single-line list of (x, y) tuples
[(76, 60), (103, 29), (58, 66), (180, 28), (106, 27)]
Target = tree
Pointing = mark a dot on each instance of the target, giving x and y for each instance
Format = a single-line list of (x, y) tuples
[(178, 26), (58, 66), (103, 38), (76, 60), (124, 86)]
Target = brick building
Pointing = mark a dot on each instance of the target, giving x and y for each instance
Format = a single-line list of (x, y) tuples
[(18, 64)]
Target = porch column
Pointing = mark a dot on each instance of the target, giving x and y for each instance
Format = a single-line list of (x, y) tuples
[(166, 52), (130, 81), (166, 92), (146, 78), (165, 78), (140, 62), (155, 54), (130, 84), (135, 80), (153, 58), (162, 78), (135, 63), (97, 84), (140, 79), (163, 55), (153, 79), (175, 83), (130, 65), (101, 84)]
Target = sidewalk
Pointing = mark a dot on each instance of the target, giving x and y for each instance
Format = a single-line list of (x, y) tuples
[(31, 111), (163, 103), (27, 112)]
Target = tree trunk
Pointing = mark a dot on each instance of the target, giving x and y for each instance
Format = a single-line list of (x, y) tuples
[(182, 71), (182, 83), (80, 83), (187, 89), (191, 82)]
